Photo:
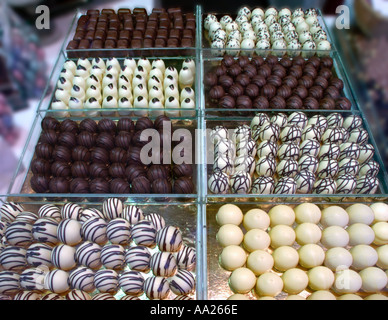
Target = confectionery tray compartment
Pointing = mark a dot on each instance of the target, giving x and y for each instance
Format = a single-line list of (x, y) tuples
[(174, 61), (182, 216), (124, 52), (20, 185), (210, 52), (212, 106), (217, 277), (240, 120)]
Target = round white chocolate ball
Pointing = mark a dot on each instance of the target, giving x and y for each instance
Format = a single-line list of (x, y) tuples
[(242, 280), (338, 259), (269, 284), (376, 296), (307, 232), (256, 239), (381, 232), (229, 234), (334, 216), (285, 258), (311, 255), (307, 212), (380, 211), (360, 233), (295, 297), (320, 278), (334, 236), (360, 213), (238, 296), (281, 214), (282, 235), (256, 219), (232, 257), (347, 281), (229, 214), (349, 296), (382, 253), (373, 279), (364, 256), (295, 280), (260, 261), (321, 295)]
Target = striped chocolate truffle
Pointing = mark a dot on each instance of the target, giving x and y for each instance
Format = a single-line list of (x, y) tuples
[(106, 281), (57, 281), (112, 256), (169, 239), (9, 282), (144, 233), (33, 279), (13, 258), (182, 283), (103, 296), (82, 278), (27, 295), (163, 264), (19, 233), (132, 214), (131, 282), (69, 232), (89, 255), (10, 210), (39, 254), (156, 219), (118, 231), (52, 296), (138, 258), (112, 208), (94, 229), (71, 211), (89, 213), (156, 288), (45, 230), (76, 294), (49, 211), (63, 257), (26, 216)]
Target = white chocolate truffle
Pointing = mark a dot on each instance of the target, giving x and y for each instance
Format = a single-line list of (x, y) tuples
[(106, 281), (138, 258), (32, 279), (159, 63), (349, 296), (187, 92), (229, 234), (185, 77), (82, 278), (295, 297), (347, 281), (380, 211), (169, 239), (20, 233), (118, 231), (172, 103), (320, 278), (57, 281), (360, 213), (311, 255), (240, 182), (295, 281), (94, 229), (269, 284), (229, 214), (334, 236), (282, 235), (238, 296), (112, 256), (89, 255), (39, 254), (334, 216), (13, 258), (376, 296), (321, 295), (144, 233), (132, 282), (285, 185), (307, 212), (63, 257), (364, 256), (256, 239), (232, 257), (186, 258), (140, 103), (281, 214), (182, 283), (242, 280), (285, 258), (45, 230), (62, 95), (90, 212), (218, 182), (163, 264), (381, 232), (307, 233), (260, 261), (69, 232), (373, 279), (256, 219), (360, 233), (382, 253), (310, 147), (338, 259)]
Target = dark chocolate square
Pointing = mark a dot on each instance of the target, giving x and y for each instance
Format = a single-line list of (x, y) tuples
[(160, 43), (124, 35), (164, 17), (140, 26), (153, 17), (190, 16), (91, 26), (111, 35), (190, 25), (137, 34), (110, 44), (179, 25), (122, 44), (136, 43), (122, 11), (84, 44), (114, 25), (97, 44), (101, 25), (148, 43)]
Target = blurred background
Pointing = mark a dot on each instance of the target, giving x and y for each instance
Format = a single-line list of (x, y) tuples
[(27, 56)]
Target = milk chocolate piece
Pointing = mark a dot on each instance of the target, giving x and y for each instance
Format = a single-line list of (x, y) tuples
[(79, 35), (187, 43), (97, 44), (172, 43), (128, 25), (84, 44), (90, 35), (162, 34), (136, 43), (100, 35), (148, 43), (160, 43)]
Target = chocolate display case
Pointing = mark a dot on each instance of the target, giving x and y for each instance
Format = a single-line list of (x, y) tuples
[(193, 213)]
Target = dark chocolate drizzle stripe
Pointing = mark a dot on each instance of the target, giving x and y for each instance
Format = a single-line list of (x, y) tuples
[(163, 264), (132, 214), (13, 258), (138, 258), (144, 233), (112, 256), (36, 255), (19, 233), (169, 239), (156, 287), (88, 254), (186, 258), (131, 282), (81, 279), (118, 231), (94, 229), (183, 282)]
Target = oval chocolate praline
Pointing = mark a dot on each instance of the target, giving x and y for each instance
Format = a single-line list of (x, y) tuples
[(227, 102), (225, 81), (272, 60), (343, 104), (286, 62), (338, 83), (98, 170), (321, 81), (216, 93), (306, 81), (277, 102), (325, 72), (81, 153), (99, 185), (80, 169), (40, 166), (279, 70), (119, 186), (50, 123), (332, 92), (310, 103), (294, 102), (301, 92), (236, 90), (60, 169), (133, 171), (316, 92), (107, 125), (141, 185), (310, 71), (268, 91), (88, 125), (44, 151), (86, 139), (260, 103), (123, 140), (234, 70), (125, 124), (59, 185), (99, 155), (157, 171), (327, 103), (243, 102), (290, 81), (220, 70), (243, 80), (141, 138), (183, 185), (314, 61), (117, 170), (327, 62), (210, 79), (259, 81), (250, 70), (118, 155), (275, 80), (182, 170), (161, 186), (61, 153), (284, 91), (69, 125), (252, 91), (264, 70), (143, 123), (79, 185), (49, 136), (105, 140), (298, 61), (40, 183)]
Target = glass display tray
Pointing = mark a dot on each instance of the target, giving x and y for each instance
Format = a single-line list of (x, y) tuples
[(217, 287), (209, 52), (183, 216), (20, 185)]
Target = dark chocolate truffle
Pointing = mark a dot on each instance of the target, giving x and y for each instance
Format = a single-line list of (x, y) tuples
[(227, 102), (260, 103), (105, 140), (67, 139), (141, 138), (119, 186), (210, 79), (321, 81), (86, 139), (69, 125), (234, 70), (276, 81), (284, 91), (61, 153), (316, 92), (161, 122), (327, 104), (117, 170), (277, 102), (310, 103), (294, 102), (243, 61), (79, 185), (257, 61), (310, 71), (295, 71), (259, 81), (99, 155), (50, 123), (327, 62), (298, 61), (161, 186), (133, 171), (44, 151), (325, 73), (243, 102), (107, 125), (40, 166), (228, 61), (286, 62), (250, 70), (141, 185), (332, 92), (125, 124), (290, 81), (236, 90), (60, 169), (306, 81), (40, 183), (81, 153), (134, 156), (343, 104), (216, 93), (301, 92), (279, 70), (314, 61), (123, 140), (264, 70), (80, 169), (338, 83), (144, 123), (225, 81), (88, 125), (272, 60), (59, 185), (49, 136), (220, 70), (268, 91), (118, 155), (183, 185), (98, 170), (157, 171), (243, 80), (252, 91), (182, 170), (99, 185)]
